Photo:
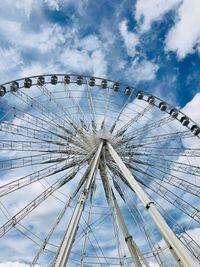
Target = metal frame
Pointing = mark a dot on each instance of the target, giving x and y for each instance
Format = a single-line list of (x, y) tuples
[(59, 134), (65, 248), (182, 256)]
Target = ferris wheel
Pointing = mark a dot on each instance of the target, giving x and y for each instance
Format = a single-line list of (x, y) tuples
[(96, 173)]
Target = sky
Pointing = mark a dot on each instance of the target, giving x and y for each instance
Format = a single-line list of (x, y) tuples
[(153, 45)]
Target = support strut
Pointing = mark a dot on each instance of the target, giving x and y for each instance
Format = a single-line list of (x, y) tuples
[(182, 256), (133, 249), (66, 245)]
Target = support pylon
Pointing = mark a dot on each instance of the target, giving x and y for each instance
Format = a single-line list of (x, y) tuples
[(182, 257), (66, 245)]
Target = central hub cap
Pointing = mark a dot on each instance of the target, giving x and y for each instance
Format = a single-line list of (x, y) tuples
[(89, 140), (104, 134)]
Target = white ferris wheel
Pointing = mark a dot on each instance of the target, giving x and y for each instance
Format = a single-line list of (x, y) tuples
[(97, 173)]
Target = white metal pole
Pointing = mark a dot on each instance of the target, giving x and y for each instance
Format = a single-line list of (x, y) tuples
[(65, 248), (183, 256), (111, 198), (133, 248), (93, 186)]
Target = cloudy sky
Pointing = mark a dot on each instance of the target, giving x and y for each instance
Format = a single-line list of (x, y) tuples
[(150, 44)]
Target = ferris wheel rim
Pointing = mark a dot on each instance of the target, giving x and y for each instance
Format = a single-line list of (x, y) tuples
[(145, 96), (175, 112)]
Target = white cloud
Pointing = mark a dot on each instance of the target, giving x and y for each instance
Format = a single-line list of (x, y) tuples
[(39, 68), (184, 37), (86, 55), (57, 47), (53, 4), (10, 58), (57, 4), (130, 38), (192, 108), (25, 7), (142, 71), (90, 43), (76, 59), (149, 11), (99, 63), (185, 34)]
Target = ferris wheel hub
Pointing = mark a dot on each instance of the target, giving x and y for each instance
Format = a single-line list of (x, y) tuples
[(104, 134)]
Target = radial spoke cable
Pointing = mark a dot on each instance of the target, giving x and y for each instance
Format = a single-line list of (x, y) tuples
[(37, 201)]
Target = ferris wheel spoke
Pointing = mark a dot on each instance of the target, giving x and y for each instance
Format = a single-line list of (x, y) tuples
[(182, 234), (161, 164), (94, 240), (174, 199), (179, 166), (106, 104), (26, 161), (78, 108), (37, 134), (119, 114), (151, 126), (91, 105), (36, 176), (51, 116), (116, 172), (131, 122), (179, 183), (6, 113), (169, 179), (28, 234), (39, 146), (36, 202), (40, 123), (30, 132), (165, 151), (67, 116), (133, 141), (190, 244)]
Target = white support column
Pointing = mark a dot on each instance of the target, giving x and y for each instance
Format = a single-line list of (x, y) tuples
[(183, 256), (65, 248), (133, 248)]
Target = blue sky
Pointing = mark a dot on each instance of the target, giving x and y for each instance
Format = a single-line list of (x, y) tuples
[(153, 45)]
